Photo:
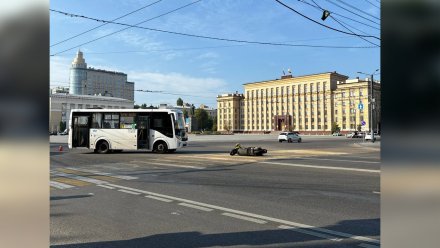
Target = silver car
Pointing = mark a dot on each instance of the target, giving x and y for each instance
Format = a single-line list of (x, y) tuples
[(289, 137)]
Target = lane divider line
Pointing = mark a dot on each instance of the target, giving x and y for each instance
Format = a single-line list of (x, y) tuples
[(158, 198), (103, 173), (376, 192), (343, 160), (59, 185), (323, 167), (171, 165), (312, 233), (241, 217), (267, 218), (129, 192), (105, 186), (195, 207), (81, 178)]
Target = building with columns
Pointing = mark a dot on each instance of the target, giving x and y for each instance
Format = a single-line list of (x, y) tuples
[(310, 104)]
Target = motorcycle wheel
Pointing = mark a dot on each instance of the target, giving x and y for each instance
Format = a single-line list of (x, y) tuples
[(233, 152)]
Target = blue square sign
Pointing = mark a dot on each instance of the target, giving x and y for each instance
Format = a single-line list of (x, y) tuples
[(360, 106)]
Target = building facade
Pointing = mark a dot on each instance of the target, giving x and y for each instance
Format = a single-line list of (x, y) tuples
[(91, 81), (230, 112), (310, 104), (62, 104)]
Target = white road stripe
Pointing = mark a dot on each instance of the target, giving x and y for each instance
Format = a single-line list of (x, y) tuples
[(105, 186), (323, 167), (171, 165), (305, 231), (241, 217), (376, 192), (343, 160), (195, 206), (285, 222), (59, 185), (81, 178), (368, 246), (129, 192), (179, 161), (103, 173), (158, 198)]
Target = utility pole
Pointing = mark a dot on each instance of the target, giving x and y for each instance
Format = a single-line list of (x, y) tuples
[(372, 102)]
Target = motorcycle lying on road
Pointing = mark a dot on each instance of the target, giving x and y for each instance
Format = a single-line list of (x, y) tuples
[(247, 151)]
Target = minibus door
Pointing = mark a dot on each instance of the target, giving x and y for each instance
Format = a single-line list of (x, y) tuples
[(81, 129), (143, 129)]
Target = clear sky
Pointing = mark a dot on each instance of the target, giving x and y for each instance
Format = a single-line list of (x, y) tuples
[(199, 69)]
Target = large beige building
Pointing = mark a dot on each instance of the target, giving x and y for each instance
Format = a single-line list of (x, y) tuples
[(230, 112), (309, 104)]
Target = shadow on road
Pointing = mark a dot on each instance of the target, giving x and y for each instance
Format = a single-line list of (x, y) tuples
[(54, 198), (266, 238)]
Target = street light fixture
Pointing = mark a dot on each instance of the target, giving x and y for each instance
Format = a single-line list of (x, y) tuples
[(372, 101)]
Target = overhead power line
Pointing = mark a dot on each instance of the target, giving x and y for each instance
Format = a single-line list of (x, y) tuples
[(338, 14), (132, 12), (72, 15), (356, 8), (341, 23), (209, 37), (335, 29), (356, 14), (373, 4), (200, 48)]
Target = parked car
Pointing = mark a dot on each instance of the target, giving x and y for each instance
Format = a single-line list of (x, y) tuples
[(336, 134), (354, 135), (65, 132), (289, 137), (368, 136), (53, 133)]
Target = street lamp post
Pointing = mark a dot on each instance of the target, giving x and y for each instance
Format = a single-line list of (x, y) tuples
[(372, 101)]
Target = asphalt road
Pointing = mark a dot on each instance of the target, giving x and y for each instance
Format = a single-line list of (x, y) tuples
[(323, 192)]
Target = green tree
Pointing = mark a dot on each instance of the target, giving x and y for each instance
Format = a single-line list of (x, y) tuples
[(202, 118), (214, 124), (209, 123), (179, 102), (136, 106), (335, 127), (185, 113), (143, 106), (62, 126)]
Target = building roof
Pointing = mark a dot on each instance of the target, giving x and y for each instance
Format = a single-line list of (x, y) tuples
[(293, 77)]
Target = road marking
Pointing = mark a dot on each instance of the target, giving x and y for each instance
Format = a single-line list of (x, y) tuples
[(129, 192), (267, 218), (59, 185), (158, 198), (343, 160), (105, 186), (81, 178), (195, 206), (179, 161), (171, 165), (241, 217), (368, 246), (70, 181), (104, 173), (323, 167), (316, 234), (105, 178), (376, 192)]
